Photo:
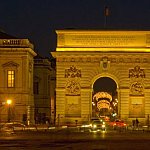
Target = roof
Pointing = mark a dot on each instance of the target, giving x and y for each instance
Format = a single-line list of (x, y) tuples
[(38, 56)]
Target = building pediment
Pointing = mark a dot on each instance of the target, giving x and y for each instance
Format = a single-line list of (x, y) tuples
[(10, 64)]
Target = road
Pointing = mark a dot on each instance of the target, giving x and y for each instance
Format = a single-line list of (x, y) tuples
[(69, 140)]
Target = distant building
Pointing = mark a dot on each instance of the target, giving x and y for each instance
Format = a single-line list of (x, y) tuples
[(43, 90), (53, 91)]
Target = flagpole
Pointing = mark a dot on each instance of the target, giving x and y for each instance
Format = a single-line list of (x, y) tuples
[(106, 14)]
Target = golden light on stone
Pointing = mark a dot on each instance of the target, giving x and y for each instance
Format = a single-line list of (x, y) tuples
[(81, 54), (124, 41)]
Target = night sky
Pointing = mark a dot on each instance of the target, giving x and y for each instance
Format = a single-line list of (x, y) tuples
[(37, 20)]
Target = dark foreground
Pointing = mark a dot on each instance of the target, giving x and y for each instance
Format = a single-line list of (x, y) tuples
[(68, 140)]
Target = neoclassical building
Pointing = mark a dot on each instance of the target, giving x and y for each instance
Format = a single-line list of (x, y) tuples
[(85, 56), (44, 87), (16, 76), (27, 87)]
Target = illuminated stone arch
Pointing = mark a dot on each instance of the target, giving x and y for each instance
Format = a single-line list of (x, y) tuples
[(122, 56), (105, 75)]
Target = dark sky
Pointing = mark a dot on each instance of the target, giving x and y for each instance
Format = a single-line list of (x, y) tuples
[(37, 20), (105, 84)]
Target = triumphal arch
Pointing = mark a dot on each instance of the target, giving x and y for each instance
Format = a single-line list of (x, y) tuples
[(84, 56)]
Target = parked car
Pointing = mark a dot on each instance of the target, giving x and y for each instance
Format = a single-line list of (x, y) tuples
[(13, 126)]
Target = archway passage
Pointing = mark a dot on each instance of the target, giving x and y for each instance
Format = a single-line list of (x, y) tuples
[(105, 98)]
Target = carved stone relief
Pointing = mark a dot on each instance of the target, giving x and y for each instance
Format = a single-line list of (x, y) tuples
[(96, 58), (105, 63), (137, 72), (73, 83), (72, 88), (121, 60), (72, 72), (136, 88)]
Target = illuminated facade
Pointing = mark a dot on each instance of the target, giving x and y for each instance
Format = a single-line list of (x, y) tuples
[(84, 56), (16, 76), (27, 81)]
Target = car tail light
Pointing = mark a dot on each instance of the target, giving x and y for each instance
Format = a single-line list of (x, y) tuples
[(114, 124)]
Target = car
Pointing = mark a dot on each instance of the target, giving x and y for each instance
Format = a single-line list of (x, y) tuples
[(118, 124), (98, 125), (13, 126), (85, 127)]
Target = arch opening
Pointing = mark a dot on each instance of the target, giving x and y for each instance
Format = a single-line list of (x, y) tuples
[(105, 99)]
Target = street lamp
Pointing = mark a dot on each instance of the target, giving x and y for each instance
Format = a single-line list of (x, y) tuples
[(9, 103)]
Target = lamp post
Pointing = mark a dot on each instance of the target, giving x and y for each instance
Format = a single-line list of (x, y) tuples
[(9, 103)]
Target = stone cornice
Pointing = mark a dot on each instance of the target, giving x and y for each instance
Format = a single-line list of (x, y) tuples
[(97, 57), (16, 50), (97, 53), (104, 49)]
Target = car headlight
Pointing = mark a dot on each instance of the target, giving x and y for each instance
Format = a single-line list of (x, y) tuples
[(94, 126), (103, 125), (90, 125)]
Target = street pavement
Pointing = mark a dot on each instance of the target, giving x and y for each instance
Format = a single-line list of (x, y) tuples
[(73, 139)]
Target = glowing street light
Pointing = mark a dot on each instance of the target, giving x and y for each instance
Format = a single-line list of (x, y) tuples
[(9, 103)]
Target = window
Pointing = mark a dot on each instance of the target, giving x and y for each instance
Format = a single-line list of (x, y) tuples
[(10, 78), (36, 88)]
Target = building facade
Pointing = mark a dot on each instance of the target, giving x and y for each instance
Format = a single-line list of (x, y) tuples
[(43, 90), (85, 56), (16, 76), (27, 87)]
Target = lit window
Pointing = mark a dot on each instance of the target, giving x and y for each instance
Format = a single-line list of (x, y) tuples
[(11, 78)]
